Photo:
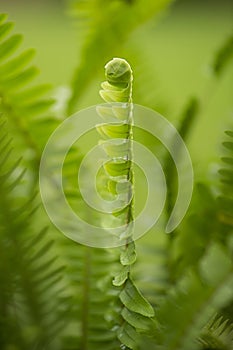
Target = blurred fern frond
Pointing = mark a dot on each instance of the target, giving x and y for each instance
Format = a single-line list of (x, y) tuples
[(89, 279), (226, 187), (23, 102), (32, 305), (217, 334), (223, 56), (225, 202), (88, 276), (183, 254), (194, 300)]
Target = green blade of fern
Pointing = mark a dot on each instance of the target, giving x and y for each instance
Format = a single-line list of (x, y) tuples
[(136, 320), (13, 66), (3, 17), (5, 29), (20, 80), (128, 256), (9, 46), (36, 108), (134, 301), (22, 98), (128, 336)]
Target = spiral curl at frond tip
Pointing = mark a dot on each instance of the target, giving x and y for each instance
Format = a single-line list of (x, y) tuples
[(118, 71)]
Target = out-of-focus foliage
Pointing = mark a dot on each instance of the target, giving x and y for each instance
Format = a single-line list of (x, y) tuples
[(32, 302), (23, 102), (109, 25)]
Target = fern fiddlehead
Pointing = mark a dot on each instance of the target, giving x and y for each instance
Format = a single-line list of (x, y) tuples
[(135, 310), (118, 89)]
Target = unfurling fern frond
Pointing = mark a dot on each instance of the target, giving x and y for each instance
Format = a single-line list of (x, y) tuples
[(31, 293), (135, 311)]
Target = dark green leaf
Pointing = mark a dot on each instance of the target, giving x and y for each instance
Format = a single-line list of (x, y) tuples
[(134, 301)]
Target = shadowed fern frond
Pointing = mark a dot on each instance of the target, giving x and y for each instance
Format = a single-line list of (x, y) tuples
[(217, 334), (32, 298), (89, 279), (191, 304)]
